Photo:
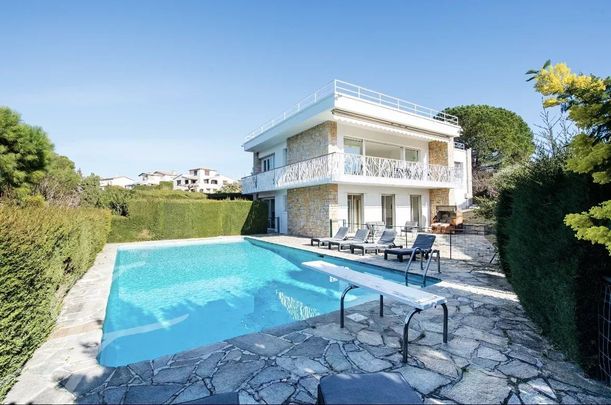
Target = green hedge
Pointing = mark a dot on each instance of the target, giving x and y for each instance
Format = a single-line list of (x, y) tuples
[(557, 278), (43, 251), (155, 219)]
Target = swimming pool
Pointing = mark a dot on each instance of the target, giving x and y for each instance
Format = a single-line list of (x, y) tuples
[(167, 299)]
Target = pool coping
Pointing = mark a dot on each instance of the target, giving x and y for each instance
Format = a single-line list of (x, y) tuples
[(70, 354)]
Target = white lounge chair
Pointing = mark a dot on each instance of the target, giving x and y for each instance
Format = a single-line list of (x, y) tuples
[(414, 297)]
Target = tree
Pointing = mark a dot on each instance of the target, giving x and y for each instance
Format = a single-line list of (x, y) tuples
[(587, 99), (498, 137), (230, 188), (90, 191), (60, 185), (25, 153)]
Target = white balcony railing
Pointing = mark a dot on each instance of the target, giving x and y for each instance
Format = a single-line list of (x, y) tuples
[(349, 168), (338, 87)]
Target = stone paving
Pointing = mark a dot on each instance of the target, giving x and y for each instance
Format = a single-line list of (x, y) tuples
[(494, 353)]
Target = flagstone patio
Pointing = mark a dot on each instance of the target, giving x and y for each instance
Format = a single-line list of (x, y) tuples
[(494, 354)]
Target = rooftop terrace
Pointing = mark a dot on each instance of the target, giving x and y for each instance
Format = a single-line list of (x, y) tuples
[(340, 88)]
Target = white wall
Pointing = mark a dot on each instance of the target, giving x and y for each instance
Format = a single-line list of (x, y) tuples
[(350, 131), (463, 194), (372, 202), (278, 151)]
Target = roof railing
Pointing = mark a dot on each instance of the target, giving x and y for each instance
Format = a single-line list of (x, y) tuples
[(338, 87)]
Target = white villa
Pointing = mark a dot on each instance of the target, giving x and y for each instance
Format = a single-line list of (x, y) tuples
[(155, 177), (353, 155), (117, 181), (202, 180)]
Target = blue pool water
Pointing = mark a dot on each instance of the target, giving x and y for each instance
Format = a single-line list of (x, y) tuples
[(169, 299)]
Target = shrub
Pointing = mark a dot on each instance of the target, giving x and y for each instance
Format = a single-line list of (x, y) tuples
[(116, 199), (154, 219), (145, 192), (43, 251), (557, 278)]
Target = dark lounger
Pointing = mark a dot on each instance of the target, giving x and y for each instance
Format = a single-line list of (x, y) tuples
[(422, 245), (360, 237), (373, 388), (339, 236), (387, 240)]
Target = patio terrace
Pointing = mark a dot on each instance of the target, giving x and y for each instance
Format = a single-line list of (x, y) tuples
[(495, 354)]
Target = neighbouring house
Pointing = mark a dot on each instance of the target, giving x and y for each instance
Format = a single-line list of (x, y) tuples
[(118, 181), (156, 177), (347, 154), (202, 180)]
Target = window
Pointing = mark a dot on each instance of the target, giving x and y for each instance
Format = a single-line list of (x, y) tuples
[(411, 155), (415, 202), (458, 170), (178, 182), (194, 172), (353, 146), (267, 163), (206, 181), (382, 150), (214, 182)]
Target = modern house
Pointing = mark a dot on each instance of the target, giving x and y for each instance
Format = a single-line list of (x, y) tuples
[(346, 154), (117, 181), (202, 180), (155, 177)]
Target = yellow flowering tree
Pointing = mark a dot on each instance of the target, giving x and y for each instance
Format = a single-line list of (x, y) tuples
[(587, 100)]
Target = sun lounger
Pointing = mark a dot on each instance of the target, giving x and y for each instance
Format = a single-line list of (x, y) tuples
[(369, 388), (360, 237), (339, 236), (387, 240), (414, 297), (423, 245), (422, 248)]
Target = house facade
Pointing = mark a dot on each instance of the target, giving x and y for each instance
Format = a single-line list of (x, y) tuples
[(202, 180), (155, 177), (117, 181), (351, 155)]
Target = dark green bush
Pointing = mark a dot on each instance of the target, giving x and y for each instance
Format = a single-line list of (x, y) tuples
[(155, 219), (43, 251), (557, 278)]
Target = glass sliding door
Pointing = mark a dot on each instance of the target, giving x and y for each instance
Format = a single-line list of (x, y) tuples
[(271, 212), (388, 210), (415, 202), (353, 161), (355, 211)]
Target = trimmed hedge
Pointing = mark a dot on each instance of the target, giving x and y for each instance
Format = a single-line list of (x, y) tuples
[(155, 219), (557, 278), (43, 251)]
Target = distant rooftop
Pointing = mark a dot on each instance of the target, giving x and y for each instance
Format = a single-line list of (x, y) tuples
[(338, 87)]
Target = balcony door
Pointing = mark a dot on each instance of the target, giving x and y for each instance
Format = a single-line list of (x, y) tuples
[(267, 163), (388, 210), (355, 211), (353, 162)]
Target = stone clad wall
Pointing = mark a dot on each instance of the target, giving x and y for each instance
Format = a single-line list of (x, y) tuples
[(312, 142), (310, 208), (438, 153)]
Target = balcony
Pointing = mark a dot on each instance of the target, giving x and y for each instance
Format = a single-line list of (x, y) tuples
[(345, 168)]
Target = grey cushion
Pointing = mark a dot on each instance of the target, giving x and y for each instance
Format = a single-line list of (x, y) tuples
[(374, 388)]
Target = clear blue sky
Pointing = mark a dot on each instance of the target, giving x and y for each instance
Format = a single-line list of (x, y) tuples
[(127, 86)]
